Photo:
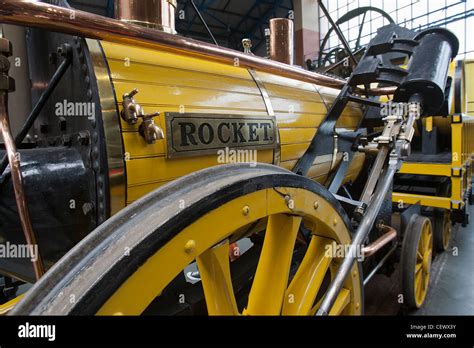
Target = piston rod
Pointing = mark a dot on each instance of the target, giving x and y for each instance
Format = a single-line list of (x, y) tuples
[(361, 234), (373, 208), (380, 264)]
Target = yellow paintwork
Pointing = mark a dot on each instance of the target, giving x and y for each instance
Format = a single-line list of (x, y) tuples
[(274, 266), (470, 86), (423, 263), (173, 83), (271, 279), (404, 199), (460, 130), (429, 124), (459, 171), (426, 169), (7, 307), (214, 270), (315, 266)]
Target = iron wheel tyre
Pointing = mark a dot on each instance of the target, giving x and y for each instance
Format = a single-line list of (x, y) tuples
[(442, 229), (417, 254)]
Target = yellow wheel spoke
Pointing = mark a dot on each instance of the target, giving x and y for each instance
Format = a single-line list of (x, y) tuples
[(214, 269), (446, 235), (429, 254), (271, 287), (300, 295), (418, 267), (418, 286), (271, 277), (419, 256), (342, 300), (418, 280), (421, 244), (426, 244)]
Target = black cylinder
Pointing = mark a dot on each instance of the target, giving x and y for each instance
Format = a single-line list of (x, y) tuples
[(60, 191), (428, 68)]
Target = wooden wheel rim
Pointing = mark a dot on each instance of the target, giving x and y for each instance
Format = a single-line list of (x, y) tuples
[(102, 287)]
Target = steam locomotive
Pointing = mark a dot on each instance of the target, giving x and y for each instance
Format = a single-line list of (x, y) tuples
[(122, 173)]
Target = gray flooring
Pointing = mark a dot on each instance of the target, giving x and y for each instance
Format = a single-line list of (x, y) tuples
[(451, 290), (452, 283)]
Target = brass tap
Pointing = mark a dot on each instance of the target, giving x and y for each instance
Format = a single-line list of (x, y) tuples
[(132, 111)]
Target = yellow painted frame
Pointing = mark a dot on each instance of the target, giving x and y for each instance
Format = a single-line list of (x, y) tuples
[(459, 171)]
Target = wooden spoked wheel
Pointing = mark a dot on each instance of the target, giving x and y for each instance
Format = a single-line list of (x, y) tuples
[(128, 262), (442, 230), (417, 254)]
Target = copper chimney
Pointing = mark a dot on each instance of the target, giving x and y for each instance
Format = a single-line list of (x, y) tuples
[(282, 40), (156, 14)]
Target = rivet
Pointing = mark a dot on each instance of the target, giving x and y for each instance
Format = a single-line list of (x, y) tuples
[(246, 210), (354, 274), (95, 153), (357, 305), (190, 246), (316, 205), (334, 222), (290, 202)]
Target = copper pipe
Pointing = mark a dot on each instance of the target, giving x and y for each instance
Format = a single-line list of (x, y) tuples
[(31, 13), (282, 40), (371, 249), (17, 180), (156, 14), (378, 91), (37, 14)]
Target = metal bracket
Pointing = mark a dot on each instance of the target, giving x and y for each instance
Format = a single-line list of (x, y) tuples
[(456, 172), (456, 118), (323, 142), (456, 205)]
